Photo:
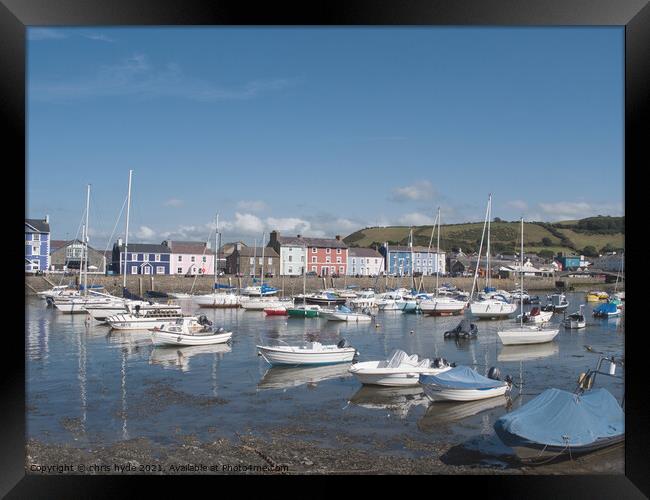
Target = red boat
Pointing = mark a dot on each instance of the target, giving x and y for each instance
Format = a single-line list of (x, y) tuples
[(278, 311)]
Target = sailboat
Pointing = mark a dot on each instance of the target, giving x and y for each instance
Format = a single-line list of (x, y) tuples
[(441, 305), (495, 306), (214, 299), (526, 334), (304, 310)]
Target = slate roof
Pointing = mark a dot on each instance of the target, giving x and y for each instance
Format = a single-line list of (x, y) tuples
[(364, 252), (59, 244), (191, 247), (405, 248), (312, 242), (39, 225), (145, 248), (257, 252)]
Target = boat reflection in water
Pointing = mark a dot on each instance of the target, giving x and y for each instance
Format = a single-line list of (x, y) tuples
[(445, 412), (282, 377), (527, 352), (398, 400), (179, 357)]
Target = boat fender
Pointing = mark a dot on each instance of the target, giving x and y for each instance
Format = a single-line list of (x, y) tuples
[(494, 373)]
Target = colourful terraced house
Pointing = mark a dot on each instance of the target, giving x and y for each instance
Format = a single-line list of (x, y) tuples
[(37, 245)]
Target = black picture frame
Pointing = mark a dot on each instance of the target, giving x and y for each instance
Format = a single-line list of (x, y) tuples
[(634, 15)]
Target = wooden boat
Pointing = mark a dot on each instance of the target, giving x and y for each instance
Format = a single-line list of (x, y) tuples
[(398, 370), (310, 353), (463, 384), (182, 332)]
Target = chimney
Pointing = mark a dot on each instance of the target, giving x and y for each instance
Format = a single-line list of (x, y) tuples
[(338, 237), (47, 219), (298, 236), (119, 242)]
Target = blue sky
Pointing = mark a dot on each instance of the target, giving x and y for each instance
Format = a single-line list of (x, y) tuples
[(321, 131)]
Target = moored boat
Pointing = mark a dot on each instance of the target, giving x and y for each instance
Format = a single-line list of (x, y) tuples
[(310, 353), (463, 384), (344, 313), (398, 370), (576, 320), (183, 332)]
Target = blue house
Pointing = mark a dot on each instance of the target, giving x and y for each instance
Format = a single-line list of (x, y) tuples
[(37, 245), (142, 258), (405, 260)]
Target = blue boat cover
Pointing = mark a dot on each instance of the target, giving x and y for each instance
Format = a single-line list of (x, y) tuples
[(561, 418), (330, 295), (219, 285), (344, 309), (489, 289), (461, 377), (606, 308)]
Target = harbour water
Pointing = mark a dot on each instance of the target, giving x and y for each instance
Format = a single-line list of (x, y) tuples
[(89, 386)]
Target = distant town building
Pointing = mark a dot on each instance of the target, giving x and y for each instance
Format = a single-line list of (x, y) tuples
[(190, 258), (365, 262), (248, 261), (325, 256), (141, 258), (67, 255), (572, 262), (612, 262), (37, 245), (406, 260)]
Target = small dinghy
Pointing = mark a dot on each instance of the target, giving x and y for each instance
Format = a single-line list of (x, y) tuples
[(576, 320), (398, 370), (344, 313), (310, 353), (465, 330), (464, 384), (536, 316), (606, 310), (182, 332), (559, 422)]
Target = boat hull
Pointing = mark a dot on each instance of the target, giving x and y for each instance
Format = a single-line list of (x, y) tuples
[(283, 357), (492, 310), (445, 394), (368, 374), (526, 336), (170, 338)]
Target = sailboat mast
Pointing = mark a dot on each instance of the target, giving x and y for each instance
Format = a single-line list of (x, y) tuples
[(304, 277), (126, 235), (216, 255), (521, 278), (480, 249), (86, 241), (487, 266), (262, 269), (438, 253)]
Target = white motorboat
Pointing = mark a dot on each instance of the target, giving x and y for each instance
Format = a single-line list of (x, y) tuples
[(144, 319), (259, 291), (442, 306), (219, 300), (180, 295), (363, 300), (576, 320), (343, 313), (182, 332), (59, 291), (398, 370), (78, 305), (259, 304), (527, 334), (463, 384), (390, 301), (310, 353), (559, 302), (535, 315), (102, 311), (493, 308)]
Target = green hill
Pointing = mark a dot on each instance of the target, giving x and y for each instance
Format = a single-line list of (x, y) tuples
[(603, 233)]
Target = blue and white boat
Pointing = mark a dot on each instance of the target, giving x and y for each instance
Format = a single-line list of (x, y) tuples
[(463, 384), (607, 310)]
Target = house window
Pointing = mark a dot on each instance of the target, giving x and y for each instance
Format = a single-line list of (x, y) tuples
[(134, 269), (333, 269), (261, 261), (328, 250), (179, 270), (205, 259), (341, 269), (313, 250), (35, 250), (180, 258), (193, 258), (270, 260), (157, 257), (338, 250), (328, 259), (147, 270), (252, 260), (290, 258), (313, 268), (367, 261), (290, 269), (313, 260), (160, 269), (338, 260), (36, 237)]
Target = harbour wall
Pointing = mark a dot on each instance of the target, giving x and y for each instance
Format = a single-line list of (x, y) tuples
[(294, 285)]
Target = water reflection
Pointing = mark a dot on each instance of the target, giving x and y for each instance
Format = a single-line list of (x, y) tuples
[(527, 352), (179, 358), (280, 377), (445, 412), (398, 400)]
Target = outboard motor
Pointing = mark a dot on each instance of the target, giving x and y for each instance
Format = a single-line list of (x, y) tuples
[(508, 380), (439, 362), (494, 373), (137, 310), (203, 320), (343, 343)]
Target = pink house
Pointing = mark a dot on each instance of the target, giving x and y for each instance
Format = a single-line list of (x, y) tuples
[(190, 258)]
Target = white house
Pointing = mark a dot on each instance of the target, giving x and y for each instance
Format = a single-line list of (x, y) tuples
[(365, 262), (291, 252), (190, 257)]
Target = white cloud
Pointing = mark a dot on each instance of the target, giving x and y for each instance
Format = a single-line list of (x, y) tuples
[(422, 190), (415, 219), (577, 210), (138, 76), (145, 233), (173, 202), (248, 224), (252, 205), (518, 205)]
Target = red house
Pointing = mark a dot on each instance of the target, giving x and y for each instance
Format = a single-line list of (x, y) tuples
[(325, 256)]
